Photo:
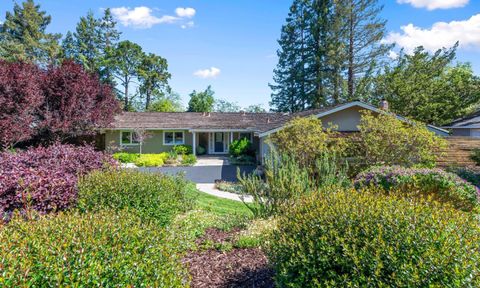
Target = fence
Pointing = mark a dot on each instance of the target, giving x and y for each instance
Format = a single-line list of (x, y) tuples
[(459, 151)]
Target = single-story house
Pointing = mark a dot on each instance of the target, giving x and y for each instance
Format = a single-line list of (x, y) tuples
[(468, 126), (215, 131)]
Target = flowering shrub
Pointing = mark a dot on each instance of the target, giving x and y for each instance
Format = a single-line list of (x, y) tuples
[(45, 178), (362, 239), (441, 185)]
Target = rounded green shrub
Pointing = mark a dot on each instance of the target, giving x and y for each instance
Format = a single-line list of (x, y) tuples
[(105, 249), (362, 239), (153, 197), (240, 147), (438, 184), (475, 156), (125, 157), (183, 149)]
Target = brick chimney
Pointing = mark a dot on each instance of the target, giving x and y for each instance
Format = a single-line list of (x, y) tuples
[(384, 105)]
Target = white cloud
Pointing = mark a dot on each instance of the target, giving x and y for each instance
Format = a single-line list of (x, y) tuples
[(185, 12), (142, 17), (187, 25), (435, 4), (207, 73), (440, 35)]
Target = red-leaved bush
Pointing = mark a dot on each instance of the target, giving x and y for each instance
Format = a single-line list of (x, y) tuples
[(45, 178)]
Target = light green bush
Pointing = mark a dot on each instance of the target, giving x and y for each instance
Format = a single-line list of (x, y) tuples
[(151, 196), (125, 157), (189, 160), (151, 160), (240, 147), (104, 249), (362, 239)]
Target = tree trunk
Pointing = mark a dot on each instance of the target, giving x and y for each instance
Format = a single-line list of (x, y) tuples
[(126, 95), (351, 52), (147, 101)]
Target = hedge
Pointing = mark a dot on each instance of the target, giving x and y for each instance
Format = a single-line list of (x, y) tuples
[(362, 239), (153, 197), (105, 249), (436, 183)]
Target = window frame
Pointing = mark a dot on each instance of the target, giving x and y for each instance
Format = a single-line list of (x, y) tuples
[(131, 138), (174, 143)]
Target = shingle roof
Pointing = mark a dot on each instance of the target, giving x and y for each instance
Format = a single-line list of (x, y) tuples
[(470, 120), (257, 122), (194, 120)]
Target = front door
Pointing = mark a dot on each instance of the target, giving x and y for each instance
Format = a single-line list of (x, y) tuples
[(219, 142)]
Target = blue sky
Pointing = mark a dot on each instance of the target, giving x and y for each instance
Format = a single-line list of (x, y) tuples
[(231, 44)]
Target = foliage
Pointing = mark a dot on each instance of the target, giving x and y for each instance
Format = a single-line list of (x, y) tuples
[(467, 174), (109, 249), (476, 156), (429, 87), (242, 160), (125, 157), (327, 49), (306, 140), (188, 160), (285, 182), (20, 98), (256, 233), (183, 149), (225, 106), (385, 140), (168, 103), (153, 77), (45, 179), (435, 183), (256, 108), (201, 150), (201, 101), (231, 187), (240, 147), (362, 239), (89, 43), (151, 160), (125, 59), (23, 35), (152, 197), (75, 103)]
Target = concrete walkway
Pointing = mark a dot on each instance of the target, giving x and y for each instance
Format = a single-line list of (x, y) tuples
[(210, 189), (209, 160)]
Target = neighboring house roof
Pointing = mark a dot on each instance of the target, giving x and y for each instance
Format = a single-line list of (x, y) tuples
[(470, 121), (261, 123)]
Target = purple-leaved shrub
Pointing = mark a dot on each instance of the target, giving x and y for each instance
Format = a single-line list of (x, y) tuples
[(45, 178)]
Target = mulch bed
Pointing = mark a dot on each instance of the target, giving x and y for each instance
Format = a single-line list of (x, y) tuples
[(236, 268)]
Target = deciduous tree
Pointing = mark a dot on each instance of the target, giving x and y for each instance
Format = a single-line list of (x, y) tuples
[(201, 101)]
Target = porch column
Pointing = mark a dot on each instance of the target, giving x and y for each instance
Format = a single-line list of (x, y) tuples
[(194, 145), (231, 137)]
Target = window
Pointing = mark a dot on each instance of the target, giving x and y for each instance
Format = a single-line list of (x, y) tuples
[(128, 138), (246, 135), (173, 138)]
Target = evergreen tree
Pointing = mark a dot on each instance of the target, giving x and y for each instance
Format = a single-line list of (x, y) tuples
[(153, 77), (23, 35), (201, 101), (326, 49)]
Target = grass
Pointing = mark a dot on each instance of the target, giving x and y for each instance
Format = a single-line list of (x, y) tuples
[(219, 206)]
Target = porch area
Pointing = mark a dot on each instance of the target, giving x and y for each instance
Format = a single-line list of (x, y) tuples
[(217, 142)]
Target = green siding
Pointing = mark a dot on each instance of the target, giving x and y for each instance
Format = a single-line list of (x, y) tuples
[(154, 144)]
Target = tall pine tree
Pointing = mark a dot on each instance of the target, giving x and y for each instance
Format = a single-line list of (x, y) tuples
[(326, 49), (23, 35)]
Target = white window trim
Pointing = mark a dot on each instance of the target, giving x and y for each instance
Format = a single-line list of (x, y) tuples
[(174, 144), (131, 138)]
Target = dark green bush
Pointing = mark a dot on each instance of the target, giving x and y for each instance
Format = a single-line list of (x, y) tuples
[(183, 149), (125, 157), (105, 249), (201, 150), (240, 147), (476, 156), (362, 239), (467, 174), (438, 184), (150, 196)]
